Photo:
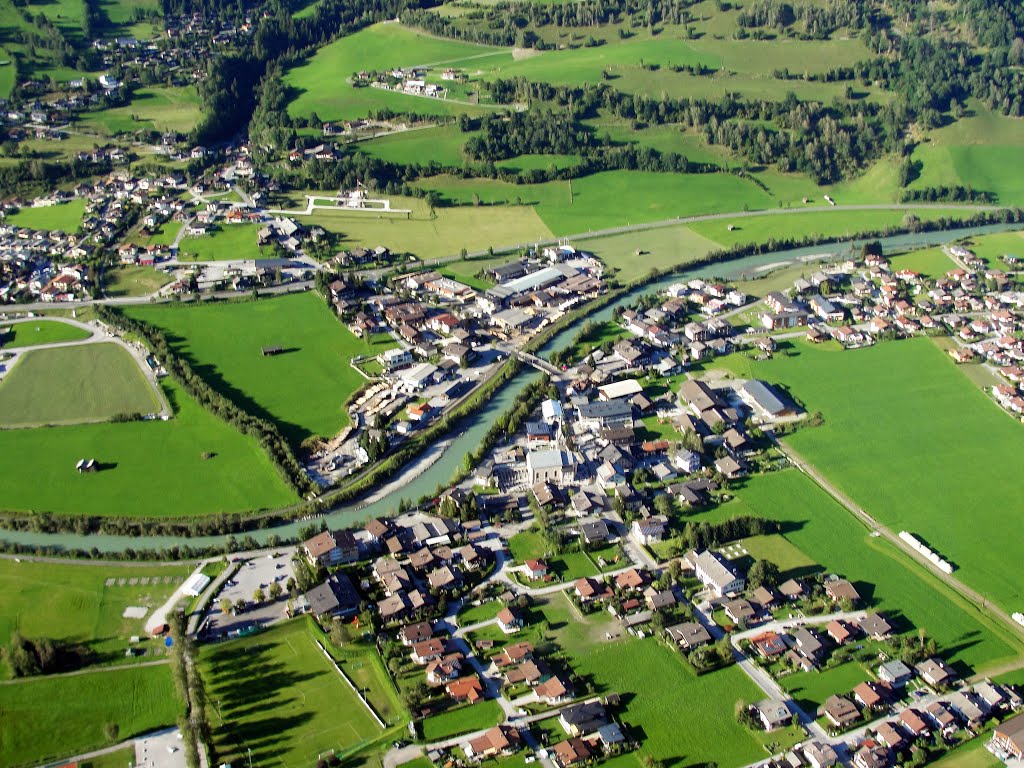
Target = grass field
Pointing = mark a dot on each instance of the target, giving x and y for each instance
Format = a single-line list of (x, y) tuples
[(760, 229), (943, 439), (885, 576), (811, 689), (465, 719), (302, 389), (280, 698), (660, 248), (322, 81), (133, 281), (40, 331), (567, 566), (933, 263), (77, 708), (66, 217), (230, 241), (971, 755), (992, 248), (83, 603), (445, 233), (146, 462), (440, 144), (705, 704), (539, 162), (980, 151), (71, 385), (613, 198), (159, 108)]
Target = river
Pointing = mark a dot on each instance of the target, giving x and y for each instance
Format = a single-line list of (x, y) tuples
[(475, 427)]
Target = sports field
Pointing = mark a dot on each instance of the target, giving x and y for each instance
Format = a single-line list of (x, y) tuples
[(84, 603), (302, 389), (71, 385), (279, 697), (40, 331), (945, 445), (192, 464), (66, 217), (883, 574), (48, 718)]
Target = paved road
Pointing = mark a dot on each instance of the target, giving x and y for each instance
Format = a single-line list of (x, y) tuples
[(976, 597)]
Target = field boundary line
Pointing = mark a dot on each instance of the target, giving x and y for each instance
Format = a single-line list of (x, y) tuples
[(351, 685)]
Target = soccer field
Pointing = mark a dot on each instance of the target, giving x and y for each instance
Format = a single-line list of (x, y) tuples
[(276, 694)]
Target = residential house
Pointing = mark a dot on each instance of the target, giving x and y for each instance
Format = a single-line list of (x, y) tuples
[(331, 548), (1009, 737), (840, 711), (689, 635), (716, 573)]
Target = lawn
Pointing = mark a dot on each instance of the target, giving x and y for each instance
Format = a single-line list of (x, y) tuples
[(440, 144), (539, 162), (39, 331), (275, 694), (192, 464), (445, 232), (811, 689), (474, 614), (71, 385), (992, 248), (662, 692), (565, 567), (464, 719), (887, 577), (231, 241), (613, 198), (159, 108), (970, 755), (77, 708), (133, 281), (83, 603), (66, 217), (779, 550), (943, 441), (303, 389)]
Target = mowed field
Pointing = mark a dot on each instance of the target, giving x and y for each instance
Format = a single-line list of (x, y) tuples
[(192, 464), (909, 438), (430, 236), (440, 144), (66, 217), (304, 388), (53, 717), (887, 577), (230, 241), (71, 385), (280, 698), (38, 331), (82, 603)]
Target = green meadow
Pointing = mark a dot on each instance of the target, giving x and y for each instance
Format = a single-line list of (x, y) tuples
[(69, 385), (66, 217), (440, 144), (928, 460), (280, 698), (464, 719), (158, 108), (77, 708), (612, 198), (133, 281), (885, 576), (303, 389), (226, 243), (84, 603), (192, 464), (41, 331)]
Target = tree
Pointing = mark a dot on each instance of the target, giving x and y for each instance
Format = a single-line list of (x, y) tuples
[(275, 590), (111, 731), (239, 605), (258, 595), (340, 633), (763, 573), (225, 605)]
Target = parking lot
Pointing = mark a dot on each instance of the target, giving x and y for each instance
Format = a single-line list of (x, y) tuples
[(255, 574), (160, 750)]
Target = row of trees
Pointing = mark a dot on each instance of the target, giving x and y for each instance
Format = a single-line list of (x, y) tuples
[(42, 656), (193, 724)]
